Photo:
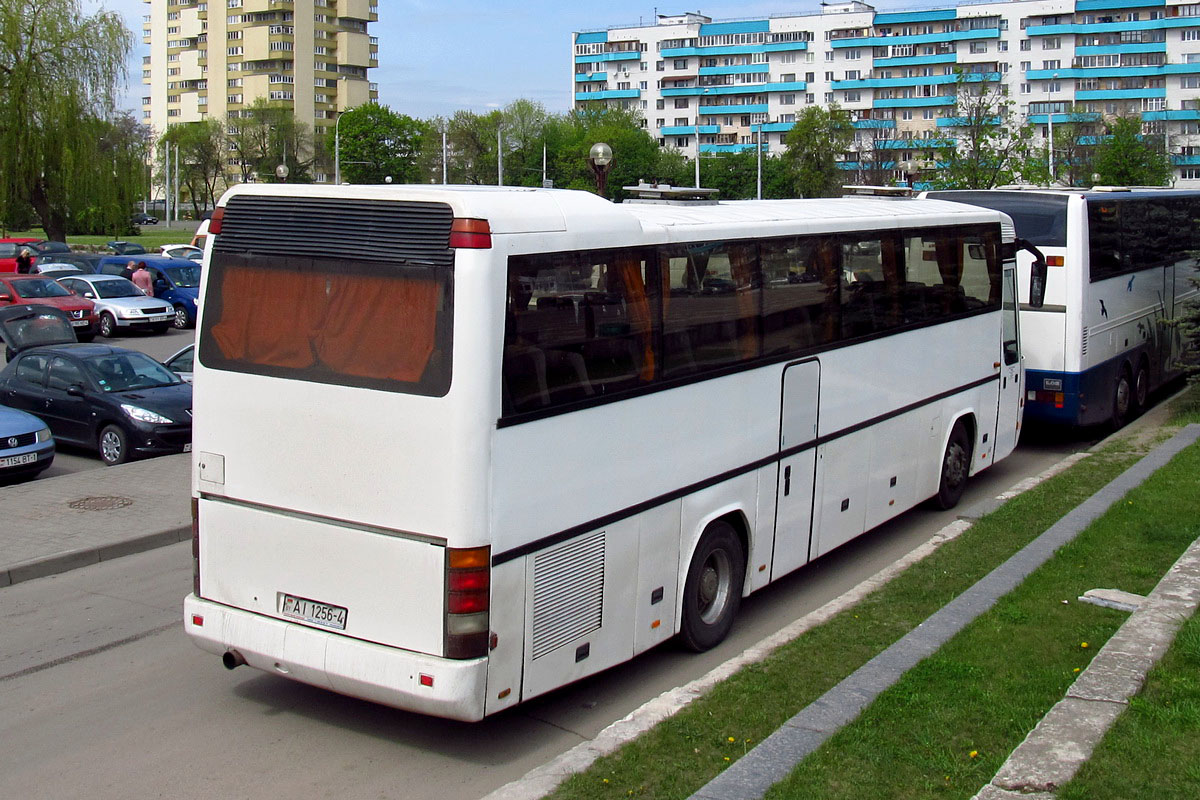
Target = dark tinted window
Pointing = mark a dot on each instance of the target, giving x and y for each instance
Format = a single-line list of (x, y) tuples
[(64, 374), (31, 368), (585, 325), (1039, 218), (1127, 234)]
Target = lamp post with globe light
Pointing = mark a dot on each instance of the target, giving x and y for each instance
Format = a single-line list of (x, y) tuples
[(600, 159)]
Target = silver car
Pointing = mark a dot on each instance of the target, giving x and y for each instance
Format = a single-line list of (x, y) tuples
[(120, 304)]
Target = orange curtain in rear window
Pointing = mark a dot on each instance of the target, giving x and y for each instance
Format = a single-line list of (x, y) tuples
[(629, 269), (379, 327), (267, 316)]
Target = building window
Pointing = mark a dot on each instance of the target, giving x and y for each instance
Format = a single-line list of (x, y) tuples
[(681, 102), (787, 99), (1026, 44), (978, 47), (1051, 43), (681, 63)]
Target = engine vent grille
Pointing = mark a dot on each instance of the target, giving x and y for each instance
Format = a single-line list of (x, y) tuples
[(568, 593), (1084, 342), (359, 230)]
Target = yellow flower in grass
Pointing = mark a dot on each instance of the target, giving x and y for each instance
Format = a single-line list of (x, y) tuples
[(1084, 645), (973, 754)]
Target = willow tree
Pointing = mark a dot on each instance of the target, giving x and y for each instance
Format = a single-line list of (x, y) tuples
[(59, 68)]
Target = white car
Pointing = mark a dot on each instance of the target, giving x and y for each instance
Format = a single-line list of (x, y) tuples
[(181, 251), (120, 304)]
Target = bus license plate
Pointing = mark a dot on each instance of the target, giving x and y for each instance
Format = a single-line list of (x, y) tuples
[(312, 611)]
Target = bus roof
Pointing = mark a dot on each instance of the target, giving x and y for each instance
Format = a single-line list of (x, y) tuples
[(532, 210)]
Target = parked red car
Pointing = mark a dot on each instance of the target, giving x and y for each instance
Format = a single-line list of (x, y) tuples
[(40, 290), (11, 248)]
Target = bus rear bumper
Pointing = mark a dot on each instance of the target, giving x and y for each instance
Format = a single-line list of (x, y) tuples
[(401, 679)]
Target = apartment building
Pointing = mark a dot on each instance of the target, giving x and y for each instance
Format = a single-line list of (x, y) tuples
[(211, 60), (715, 85)]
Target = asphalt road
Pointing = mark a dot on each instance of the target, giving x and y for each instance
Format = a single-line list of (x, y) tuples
[(100, 688)]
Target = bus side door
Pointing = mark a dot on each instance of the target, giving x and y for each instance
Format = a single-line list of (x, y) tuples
[(1011, 386), (797, 468)]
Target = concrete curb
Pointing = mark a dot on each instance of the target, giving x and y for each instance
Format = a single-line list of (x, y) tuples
[(1055, 750), (85, 557), (540, 781)]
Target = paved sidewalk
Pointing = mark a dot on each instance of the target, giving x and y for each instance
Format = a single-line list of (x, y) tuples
[(53, 525)]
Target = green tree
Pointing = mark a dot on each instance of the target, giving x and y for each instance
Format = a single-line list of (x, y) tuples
[(735, 176), (202, 153), (813, 145), (989, 147), (1124, 158), (376, 143), (636, 156), (523, 137), (61, 147), (266, 135)]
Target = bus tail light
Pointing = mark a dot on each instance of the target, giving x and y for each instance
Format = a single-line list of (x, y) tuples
[(468, 598), (196, 546), (214, 224), (470, 234), (1054, 261)]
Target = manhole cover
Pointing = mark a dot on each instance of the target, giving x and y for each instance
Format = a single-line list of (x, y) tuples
[(100, 503)]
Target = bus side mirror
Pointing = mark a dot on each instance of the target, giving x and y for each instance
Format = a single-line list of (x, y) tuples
[(1037, 275)]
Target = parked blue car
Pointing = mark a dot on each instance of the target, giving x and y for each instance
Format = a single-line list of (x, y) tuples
[(176, 280), (26, 446)]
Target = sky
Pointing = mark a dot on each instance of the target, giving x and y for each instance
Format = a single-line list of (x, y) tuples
[(439, 56)]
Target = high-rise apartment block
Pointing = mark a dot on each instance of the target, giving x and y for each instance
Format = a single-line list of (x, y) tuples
[(210, 60), (715, 83)]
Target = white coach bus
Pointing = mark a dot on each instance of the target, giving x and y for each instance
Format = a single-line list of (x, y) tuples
[(1120, 262), (456, 447)]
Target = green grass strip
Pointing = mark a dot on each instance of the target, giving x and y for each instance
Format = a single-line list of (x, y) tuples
[(1153, 750), (946, 727), (684, 752)]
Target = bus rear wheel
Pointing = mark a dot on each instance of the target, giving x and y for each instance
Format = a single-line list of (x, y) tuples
[(956, 466), (1122, 403), (1141, 386), (712, 593)]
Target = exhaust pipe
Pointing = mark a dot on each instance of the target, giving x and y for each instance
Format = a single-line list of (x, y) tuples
[(232, 659)]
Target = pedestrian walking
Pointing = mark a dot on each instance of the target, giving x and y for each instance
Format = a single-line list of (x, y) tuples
[(141, 279), (24, 262)]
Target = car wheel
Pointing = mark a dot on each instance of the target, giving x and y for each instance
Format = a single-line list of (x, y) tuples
[(712, 593), (956, 465), (1122, 402), (181, 321), (1141, 387), (108, 325), (114, 445)]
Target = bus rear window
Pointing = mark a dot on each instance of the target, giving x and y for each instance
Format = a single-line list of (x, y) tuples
[(370, 325)]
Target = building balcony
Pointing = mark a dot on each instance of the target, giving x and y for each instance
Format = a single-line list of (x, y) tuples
[(611, 94), (587, 77)]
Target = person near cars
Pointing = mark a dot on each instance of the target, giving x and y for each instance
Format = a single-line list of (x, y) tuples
[(130, 268), (143, 280), (24, 262)]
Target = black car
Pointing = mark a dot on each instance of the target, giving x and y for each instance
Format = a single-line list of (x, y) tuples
[(142, 218), (117, 401), (46, 249), (85, 262), (122, 248)]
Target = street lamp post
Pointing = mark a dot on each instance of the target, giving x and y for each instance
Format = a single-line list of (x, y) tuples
[(600, 159), (337, 152), (1050, 133), (758, 153), (499, 156), (699, 100)]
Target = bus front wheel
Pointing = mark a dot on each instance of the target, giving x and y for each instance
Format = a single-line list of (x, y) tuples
[(956, 465), (712, 593)]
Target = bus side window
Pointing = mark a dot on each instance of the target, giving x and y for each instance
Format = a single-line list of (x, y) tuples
[(797, 284)]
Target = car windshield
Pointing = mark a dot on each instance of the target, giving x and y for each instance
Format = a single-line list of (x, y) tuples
[(53, 247), (184, 277), (116, 288), (122, 372), (33, 289)]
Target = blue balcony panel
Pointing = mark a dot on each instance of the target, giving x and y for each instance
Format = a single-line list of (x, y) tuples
[(1121, 94), (862, 124), (915, 61), (584, 77), (687, 130), (745, 26), (1105, 5), (1063, 117), (926, 80), (731, 148), (924, 38), (613, 94), (744, 109), (1175, 116), (599, 57), (912, 144), (749, 69), (1114, 49), (1185, 160), (1111, 27), (914, 102), (901, 17), (1113, 72), (749, 88), (592, 37), (778, 127), (733, 49), (958, 122)]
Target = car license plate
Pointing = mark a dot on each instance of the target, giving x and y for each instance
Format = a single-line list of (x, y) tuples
[(79, 323), (162, 317), (312, 611), (17, 461)]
